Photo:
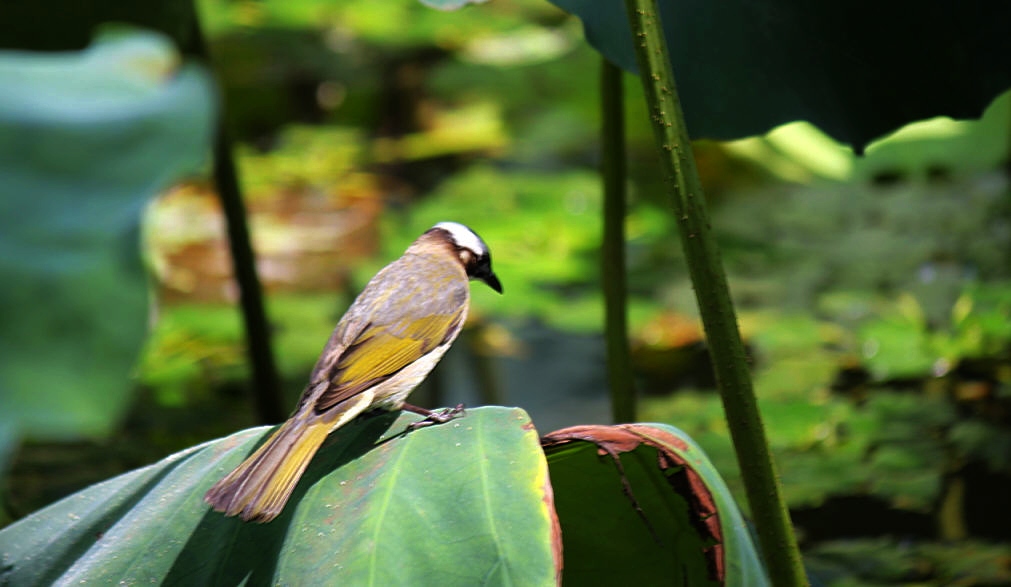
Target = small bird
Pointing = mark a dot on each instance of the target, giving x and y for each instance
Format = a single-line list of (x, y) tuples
[(387, 342)]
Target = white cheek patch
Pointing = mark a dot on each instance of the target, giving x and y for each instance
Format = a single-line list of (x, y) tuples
[(466, 257), (464, 237)]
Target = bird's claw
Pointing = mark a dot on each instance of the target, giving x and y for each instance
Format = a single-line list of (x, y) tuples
[(438, 417)]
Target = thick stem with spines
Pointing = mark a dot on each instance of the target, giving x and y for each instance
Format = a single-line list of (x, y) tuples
[(730, 363)]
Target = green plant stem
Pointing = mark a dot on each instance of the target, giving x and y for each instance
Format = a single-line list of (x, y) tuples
[(779, 545), (266, 382), (619, 364)]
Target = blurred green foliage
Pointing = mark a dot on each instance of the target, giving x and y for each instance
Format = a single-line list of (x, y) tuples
[(305, 157), (377, 23), (889, 561)]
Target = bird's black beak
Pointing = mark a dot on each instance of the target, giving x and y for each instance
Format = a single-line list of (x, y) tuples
[(480, 268), (492, 281)]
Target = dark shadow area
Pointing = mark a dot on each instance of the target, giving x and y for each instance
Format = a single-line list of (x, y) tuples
[(987, 502), (853, 516)]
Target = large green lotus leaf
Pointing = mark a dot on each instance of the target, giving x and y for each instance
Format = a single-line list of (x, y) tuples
[(86, 139), (463, 503), (857, 70), (640, 504)]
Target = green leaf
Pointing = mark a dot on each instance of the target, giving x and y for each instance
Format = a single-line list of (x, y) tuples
[(688, 532), (86, 139), (854, 70), (895, 347), (463, 503)]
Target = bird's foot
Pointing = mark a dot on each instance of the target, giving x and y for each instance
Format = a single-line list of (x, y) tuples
[(433, 416)]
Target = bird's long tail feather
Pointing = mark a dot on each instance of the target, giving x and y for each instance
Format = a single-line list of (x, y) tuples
[(258, 488)]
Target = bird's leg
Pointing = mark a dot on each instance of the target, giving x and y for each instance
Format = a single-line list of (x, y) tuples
[(432, 417)]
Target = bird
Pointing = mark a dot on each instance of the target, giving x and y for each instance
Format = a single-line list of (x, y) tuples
[(387, 342)]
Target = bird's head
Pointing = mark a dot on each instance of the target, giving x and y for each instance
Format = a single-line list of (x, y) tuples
[(470, 250)]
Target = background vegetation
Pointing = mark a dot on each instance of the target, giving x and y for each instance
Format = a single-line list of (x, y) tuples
[(873, 292)]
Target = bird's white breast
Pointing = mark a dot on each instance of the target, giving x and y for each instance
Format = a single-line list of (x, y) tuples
[(392, 393)]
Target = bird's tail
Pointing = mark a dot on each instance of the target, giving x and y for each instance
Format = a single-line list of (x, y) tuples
[(259, 487)]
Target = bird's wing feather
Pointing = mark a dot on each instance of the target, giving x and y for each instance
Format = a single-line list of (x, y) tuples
[(392, 341)]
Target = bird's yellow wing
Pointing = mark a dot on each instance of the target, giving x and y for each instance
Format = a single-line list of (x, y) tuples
[(381, 350)]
